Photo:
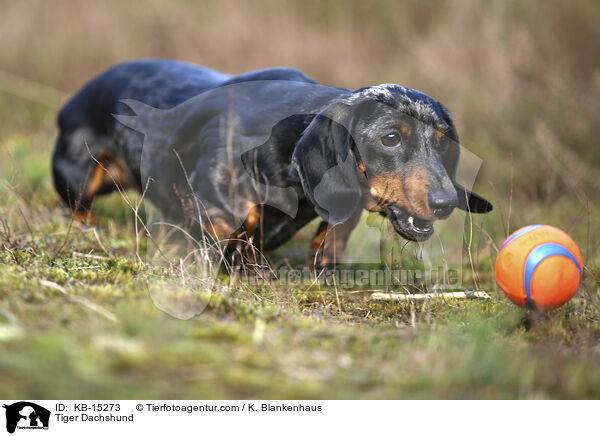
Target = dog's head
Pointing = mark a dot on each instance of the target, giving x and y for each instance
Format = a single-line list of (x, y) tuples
[(390, 150)]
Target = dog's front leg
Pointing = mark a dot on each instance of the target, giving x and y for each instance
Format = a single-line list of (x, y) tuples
[(329, 243)]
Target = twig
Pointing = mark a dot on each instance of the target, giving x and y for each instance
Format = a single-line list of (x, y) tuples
[(80, 300), (429, 296), (89, 255), (95, 231), (10, 317)]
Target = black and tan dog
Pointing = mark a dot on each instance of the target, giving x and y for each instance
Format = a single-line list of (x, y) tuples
[(260, 155)]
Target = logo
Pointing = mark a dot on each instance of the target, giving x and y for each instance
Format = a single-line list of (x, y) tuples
[(26, 415)]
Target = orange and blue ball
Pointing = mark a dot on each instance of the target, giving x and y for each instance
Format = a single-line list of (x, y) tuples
[(539, 267)]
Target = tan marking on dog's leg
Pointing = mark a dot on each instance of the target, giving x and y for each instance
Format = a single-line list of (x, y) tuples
[(86, 218), (110, 171), (252, 221), (317, 243), (332, 240), (96, 182), (220, 230)]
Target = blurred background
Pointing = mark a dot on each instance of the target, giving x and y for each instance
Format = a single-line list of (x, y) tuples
[(522, 80)]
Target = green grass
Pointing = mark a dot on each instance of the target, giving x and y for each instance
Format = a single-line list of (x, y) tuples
[(77, 317), (263, 341)]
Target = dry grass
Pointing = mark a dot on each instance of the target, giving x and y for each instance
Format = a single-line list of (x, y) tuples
[(523, 83)]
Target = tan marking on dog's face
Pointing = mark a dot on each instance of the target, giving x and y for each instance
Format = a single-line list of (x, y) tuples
[(439, 134), (388, 188), (418, 192), (410, 192), (406, 129)]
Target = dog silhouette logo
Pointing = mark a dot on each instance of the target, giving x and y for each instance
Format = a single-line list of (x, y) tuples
[(26, 415)]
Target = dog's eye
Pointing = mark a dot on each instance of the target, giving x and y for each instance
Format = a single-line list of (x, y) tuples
[(391, 139)]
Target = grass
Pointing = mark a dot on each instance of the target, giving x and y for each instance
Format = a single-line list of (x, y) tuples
[(267, 342), (77, 317)]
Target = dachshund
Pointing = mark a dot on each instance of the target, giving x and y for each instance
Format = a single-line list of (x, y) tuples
[(258, 156)]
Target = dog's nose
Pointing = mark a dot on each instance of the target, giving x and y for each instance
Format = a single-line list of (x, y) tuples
[(442, 203)]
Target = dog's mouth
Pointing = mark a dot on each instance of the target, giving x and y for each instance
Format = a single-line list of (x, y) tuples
[(409, 226)]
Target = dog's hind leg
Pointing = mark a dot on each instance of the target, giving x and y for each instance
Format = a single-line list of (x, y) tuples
[(81, 173)]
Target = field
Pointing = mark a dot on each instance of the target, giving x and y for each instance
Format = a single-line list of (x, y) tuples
[(523, 83)]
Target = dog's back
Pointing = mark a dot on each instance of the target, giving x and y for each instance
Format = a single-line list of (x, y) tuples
[(88, 141)]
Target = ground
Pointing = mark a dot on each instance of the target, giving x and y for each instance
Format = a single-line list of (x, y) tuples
[(77, 321), (76, 316)]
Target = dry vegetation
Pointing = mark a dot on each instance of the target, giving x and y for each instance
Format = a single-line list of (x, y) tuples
[(523, 82)]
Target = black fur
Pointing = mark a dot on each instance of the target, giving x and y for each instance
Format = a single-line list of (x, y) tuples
[(179, 124)]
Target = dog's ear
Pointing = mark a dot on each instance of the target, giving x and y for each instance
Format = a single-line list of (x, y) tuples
[(324, 163), (470, 201), (467, 200)]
